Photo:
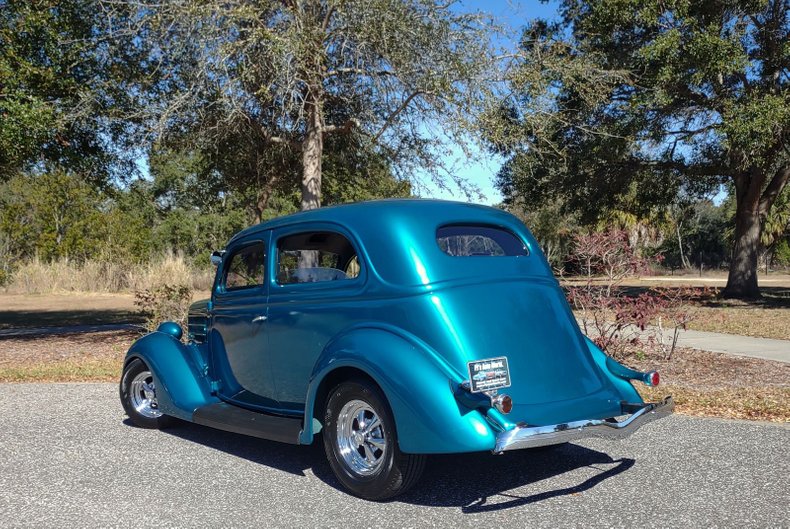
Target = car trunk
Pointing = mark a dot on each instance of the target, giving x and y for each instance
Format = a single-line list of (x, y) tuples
[(553, 375)]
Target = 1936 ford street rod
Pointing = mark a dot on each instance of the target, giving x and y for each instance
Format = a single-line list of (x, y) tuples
[(395, 328)]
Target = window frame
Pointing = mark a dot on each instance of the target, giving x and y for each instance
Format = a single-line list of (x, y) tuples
[(222, 287)]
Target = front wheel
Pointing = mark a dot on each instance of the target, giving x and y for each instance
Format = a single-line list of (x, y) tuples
[(361, 443), (138, 396)]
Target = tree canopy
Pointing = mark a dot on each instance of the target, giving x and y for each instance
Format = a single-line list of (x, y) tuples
[(58, 91), (289, 76), (646, 98)]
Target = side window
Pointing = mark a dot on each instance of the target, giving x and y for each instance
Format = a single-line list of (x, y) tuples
[(246, 268), (313, 257), (488, 241)]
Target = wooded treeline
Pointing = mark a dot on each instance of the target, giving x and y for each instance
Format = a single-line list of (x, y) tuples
[(127, 127)]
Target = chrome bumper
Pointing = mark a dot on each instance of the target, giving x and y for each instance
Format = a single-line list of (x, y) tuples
[(523, 436)]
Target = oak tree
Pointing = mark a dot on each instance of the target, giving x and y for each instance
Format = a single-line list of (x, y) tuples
[(643, 98)]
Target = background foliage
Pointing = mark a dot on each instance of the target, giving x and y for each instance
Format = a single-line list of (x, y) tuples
[(131, 132)]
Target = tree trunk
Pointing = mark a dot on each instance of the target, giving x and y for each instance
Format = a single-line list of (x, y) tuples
[(312, 152), (742, 279), (683, 261)]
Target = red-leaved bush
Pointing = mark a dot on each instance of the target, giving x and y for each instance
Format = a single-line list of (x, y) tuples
[(619, 323)]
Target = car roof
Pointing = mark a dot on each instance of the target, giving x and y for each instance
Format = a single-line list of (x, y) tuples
[(398, 236), (377, 212)]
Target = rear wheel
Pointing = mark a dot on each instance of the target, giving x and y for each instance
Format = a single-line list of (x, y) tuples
[(361, 443), (138, 396)]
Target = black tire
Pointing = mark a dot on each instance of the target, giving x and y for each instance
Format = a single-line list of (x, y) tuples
[(394, 472), (150, 417)]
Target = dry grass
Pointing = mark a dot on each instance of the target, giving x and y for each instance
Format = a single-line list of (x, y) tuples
[(38, 277), (761, 322)]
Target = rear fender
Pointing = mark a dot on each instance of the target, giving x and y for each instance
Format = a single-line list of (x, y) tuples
[(418, 386), (178, 371), (611, 368)]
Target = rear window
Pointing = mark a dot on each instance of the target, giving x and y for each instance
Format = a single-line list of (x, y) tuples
[(486, 241)]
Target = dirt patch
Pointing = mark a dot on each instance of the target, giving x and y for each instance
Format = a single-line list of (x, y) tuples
[(89, 357), (77, 308), (707, 370), (749, 403), (53, 310), (721, 385)]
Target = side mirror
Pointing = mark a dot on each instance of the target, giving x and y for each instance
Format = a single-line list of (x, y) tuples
[(216, 257)]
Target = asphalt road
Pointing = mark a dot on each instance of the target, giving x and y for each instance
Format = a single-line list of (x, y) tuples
[(68, 459)]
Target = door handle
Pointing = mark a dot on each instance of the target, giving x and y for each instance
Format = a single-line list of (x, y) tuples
[(256, 319)]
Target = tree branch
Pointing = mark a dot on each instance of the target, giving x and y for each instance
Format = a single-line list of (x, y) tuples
[(692, 132), (325, 24), (391, 118), (695, 169), (775, 187), (345, 128), (359, 71), (268, 138)]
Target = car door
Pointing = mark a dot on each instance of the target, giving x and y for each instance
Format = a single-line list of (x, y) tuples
[(240, 364), (317, 280)]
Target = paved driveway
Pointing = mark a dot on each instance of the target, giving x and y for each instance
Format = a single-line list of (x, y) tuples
[(68, 458)]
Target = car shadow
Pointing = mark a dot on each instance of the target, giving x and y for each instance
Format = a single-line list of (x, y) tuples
[(293, 459), (482, 482), (465, 481)]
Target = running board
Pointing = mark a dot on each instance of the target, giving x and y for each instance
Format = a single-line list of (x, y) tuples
[(224, 416)]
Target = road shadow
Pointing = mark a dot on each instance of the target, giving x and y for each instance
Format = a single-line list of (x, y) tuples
[(49, 318), (84, 334), (777, 297), (472, 481), (293, 459), (465, 481)]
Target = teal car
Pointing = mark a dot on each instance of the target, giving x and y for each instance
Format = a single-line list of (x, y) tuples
[(388, 330)]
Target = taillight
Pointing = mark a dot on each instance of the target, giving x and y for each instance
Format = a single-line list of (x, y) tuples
[(652, 378), (503, 403)]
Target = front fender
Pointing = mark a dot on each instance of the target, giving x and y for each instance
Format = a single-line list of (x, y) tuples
[(418, 385), (178, 373)]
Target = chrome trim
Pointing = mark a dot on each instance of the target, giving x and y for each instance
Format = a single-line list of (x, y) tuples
[(361, 440), (523, 436), (142, 395)]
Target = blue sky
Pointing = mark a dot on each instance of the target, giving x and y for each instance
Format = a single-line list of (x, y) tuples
[(481, 171)]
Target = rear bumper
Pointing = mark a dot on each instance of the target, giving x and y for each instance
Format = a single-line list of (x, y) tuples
[(523, 436)]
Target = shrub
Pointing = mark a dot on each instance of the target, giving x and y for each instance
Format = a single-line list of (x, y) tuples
[(782, 253), (164, 303), (616, 322)]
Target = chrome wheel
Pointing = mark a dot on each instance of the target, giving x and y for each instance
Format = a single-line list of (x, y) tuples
[(360, 437), (142, 395)]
